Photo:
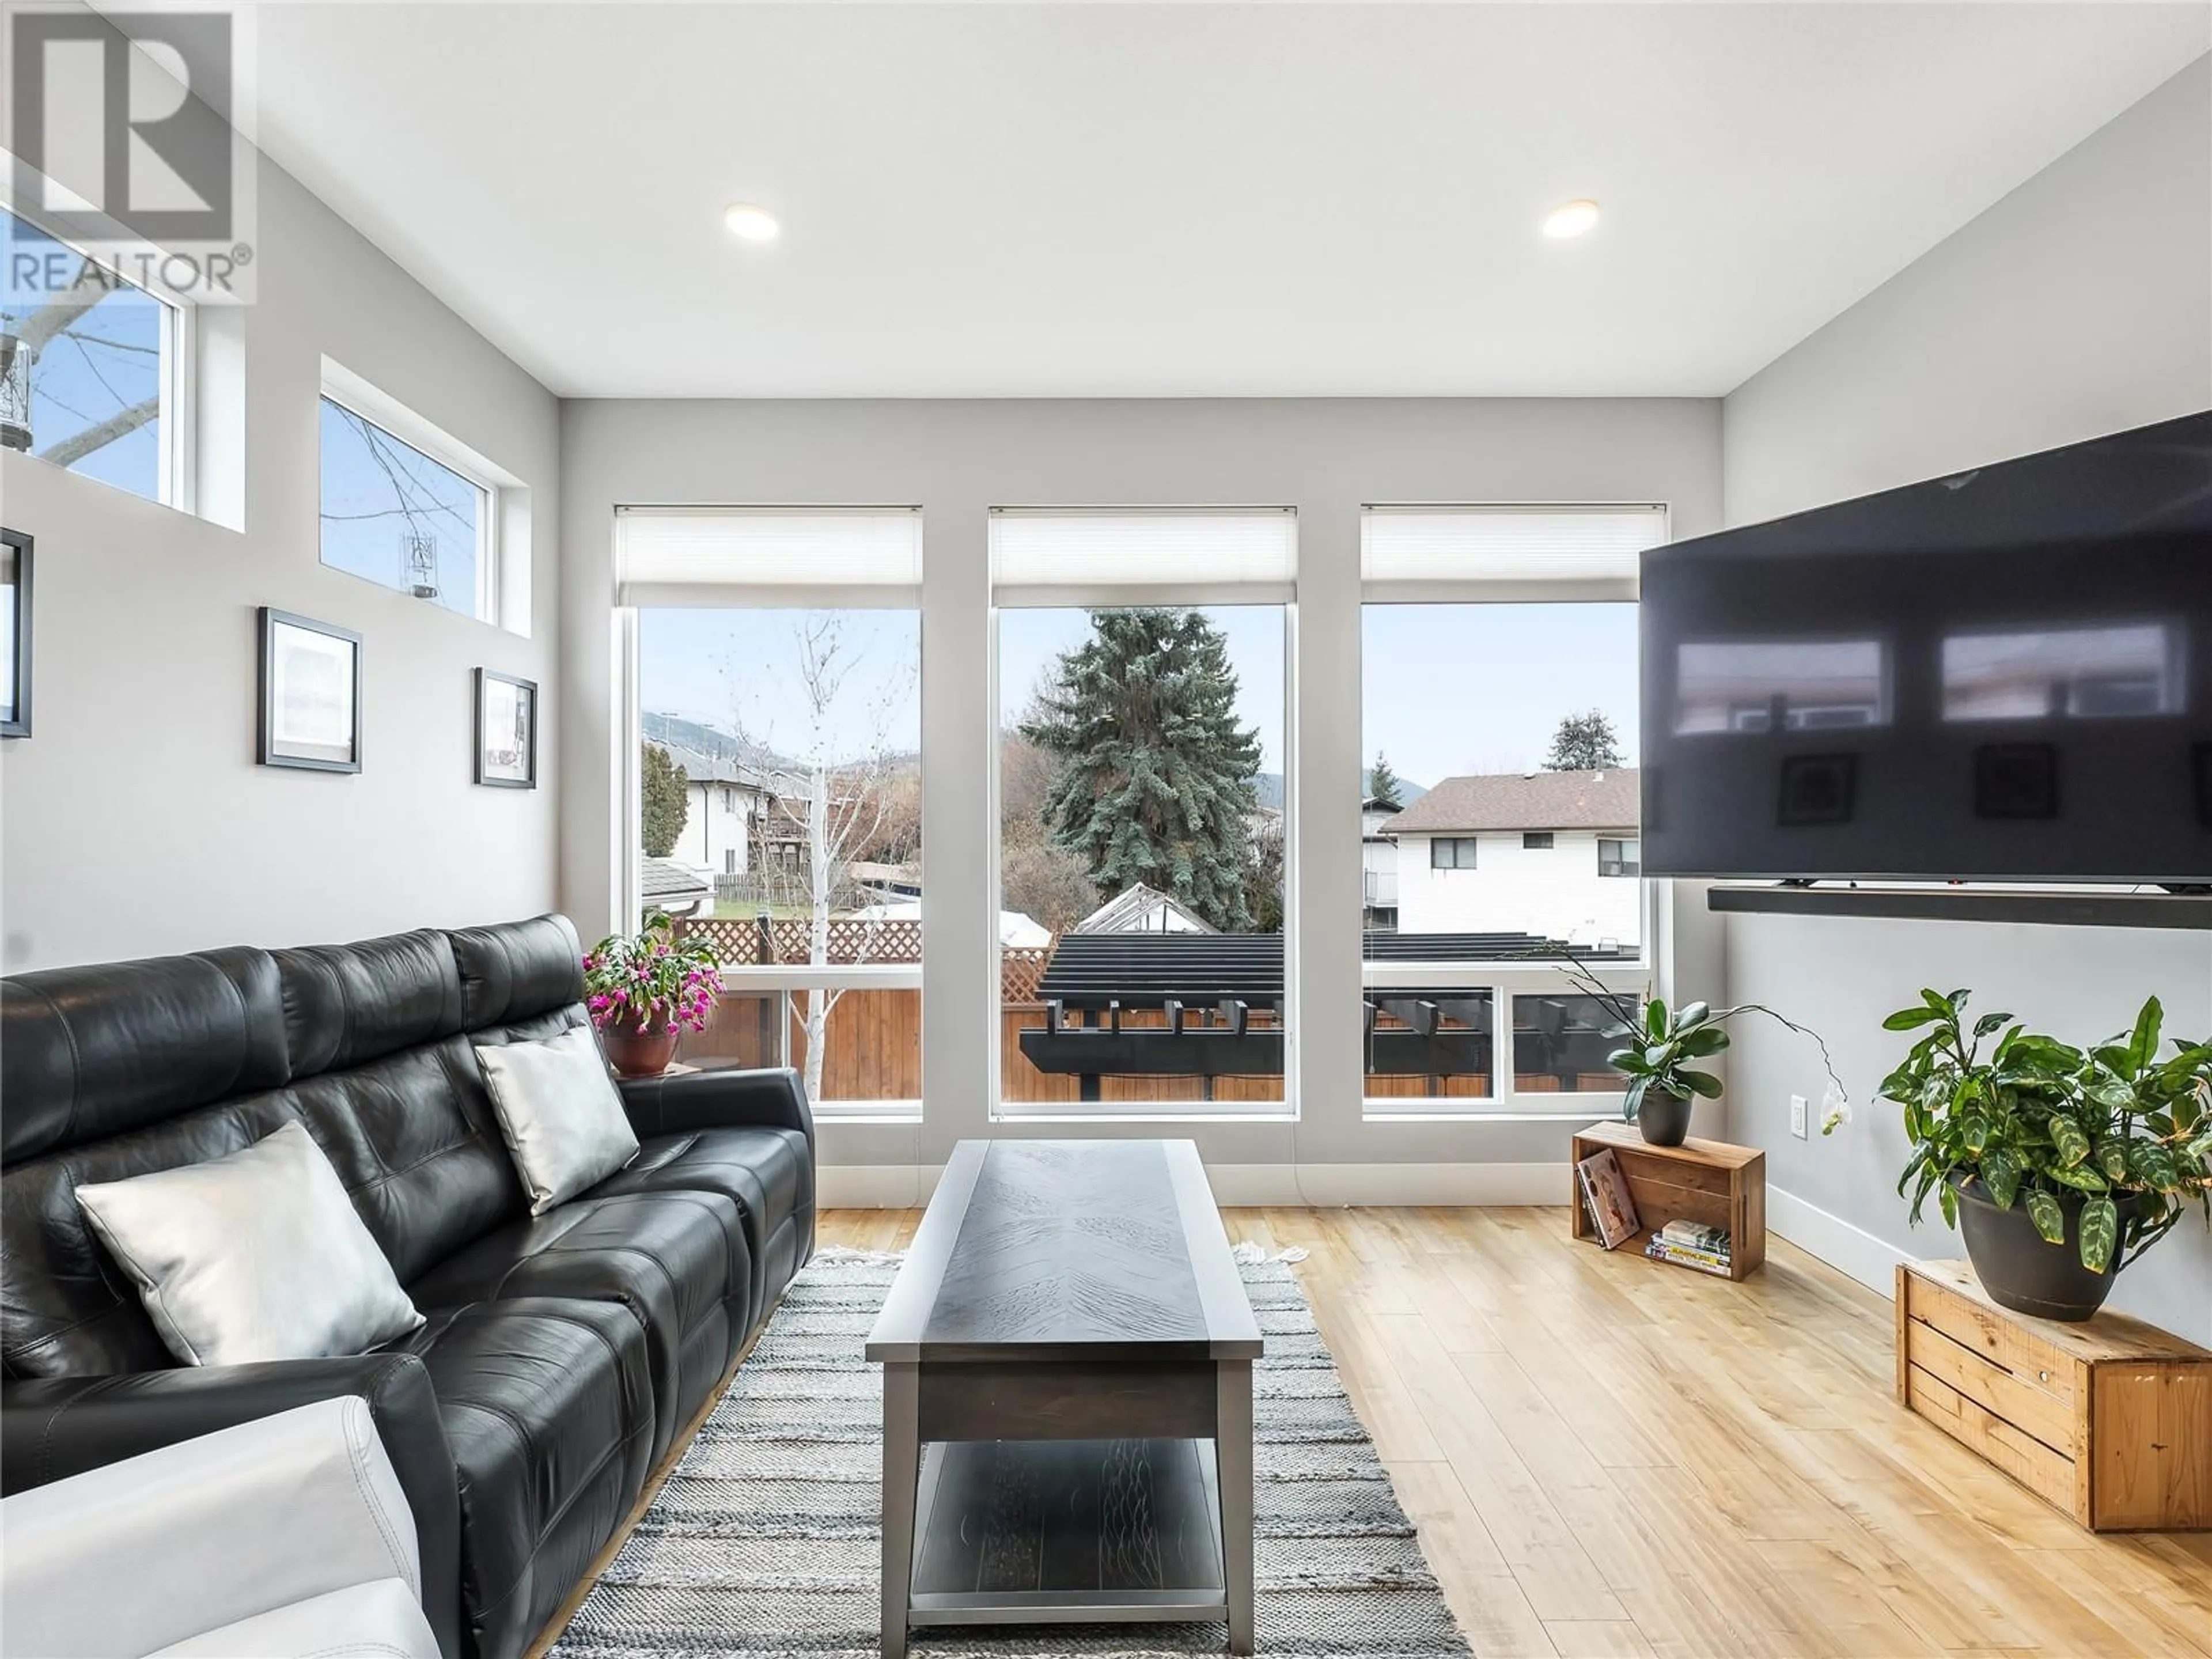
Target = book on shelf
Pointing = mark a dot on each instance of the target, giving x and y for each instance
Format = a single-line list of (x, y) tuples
[(1695, 1235), (1658, 1250), (1605, 1196)]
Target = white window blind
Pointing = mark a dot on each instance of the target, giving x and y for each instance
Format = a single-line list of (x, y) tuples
[(1415, 553), (1143, 556), (769, 555)]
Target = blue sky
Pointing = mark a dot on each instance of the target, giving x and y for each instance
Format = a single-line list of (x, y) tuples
[(1447, 688), (109, 361)]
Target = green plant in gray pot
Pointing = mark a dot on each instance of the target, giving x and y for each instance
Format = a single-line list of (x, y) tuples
[(2059, 1166), (1663, 1045)]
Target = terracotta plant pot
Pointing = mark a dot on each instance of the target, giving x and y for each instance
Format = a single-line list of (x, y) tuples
[(1663, 1118), (633, 1051)]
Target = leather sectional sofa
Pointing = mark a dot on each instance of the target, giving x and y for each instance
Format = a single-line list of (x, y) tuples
[(561, 1355)]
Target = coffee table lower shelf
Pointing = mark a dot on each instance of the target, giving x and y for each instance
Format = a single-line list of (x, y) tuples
[(1067, 1531)]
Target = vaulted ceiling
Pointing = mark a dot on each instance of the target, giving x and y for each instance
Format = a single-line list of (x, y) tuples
[(1051, 200)]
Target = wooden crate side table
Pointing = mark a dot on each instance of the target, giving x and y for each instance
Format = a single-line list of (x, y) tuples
[(2109, 1420), (1707, 1182)]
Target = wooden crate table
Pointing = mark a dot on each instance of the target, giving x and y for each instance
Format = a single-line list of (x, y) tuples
[(1707, 1182), (2109, 1419)]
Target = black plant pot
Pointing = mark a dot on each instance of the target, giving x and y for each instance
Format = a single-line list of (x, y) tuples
[(2023, 1272), (1664, 1118)]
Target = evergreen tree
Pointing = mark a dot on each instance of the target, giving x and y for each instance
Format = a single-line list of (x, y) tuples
[(1155, 775), (666, 802), (1383, 788), (1584, 743)]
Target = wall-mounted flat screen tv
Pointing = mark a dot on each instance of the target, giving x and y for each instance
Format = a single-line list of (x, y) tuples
[(2004, 675)]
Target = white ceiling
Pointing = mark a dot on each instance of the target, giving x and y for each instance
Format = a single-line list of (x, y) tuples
[(1060, 200)]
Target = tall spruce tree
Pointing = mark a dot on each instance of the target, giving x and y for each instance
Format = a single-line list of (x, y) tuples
[(1584, 743), (1155, 775), (1383, 788)]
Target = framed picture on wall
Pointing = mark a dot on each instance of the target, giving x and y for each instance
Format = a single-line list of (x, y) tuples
[(506, 731), (310, 694), (15, 634)]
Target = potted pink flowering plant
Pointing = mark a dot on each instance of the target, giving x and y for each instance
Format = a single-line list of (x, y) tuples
[(645, 990)]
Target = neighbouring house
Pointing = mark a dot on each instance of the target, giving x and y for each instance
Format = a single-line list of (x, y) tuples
[(1379, 864), (665, 884), (1142, 909), (726, 801), (1552, 854)]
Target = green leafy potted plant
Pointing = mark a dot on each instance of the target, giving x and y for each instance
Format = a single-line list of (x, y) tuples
[(644, 990), (1663, 1042), (2058, 1166)]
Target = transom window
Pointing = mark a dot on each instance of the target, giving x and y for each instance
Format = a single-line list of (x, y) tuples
[(91, 367), (396, 513)]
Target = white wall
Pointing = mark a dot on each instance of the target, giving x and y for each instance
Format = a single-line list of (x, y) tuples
[(956, 459), (2080, 304), (719, 823), (1553, 891), (134, 819)]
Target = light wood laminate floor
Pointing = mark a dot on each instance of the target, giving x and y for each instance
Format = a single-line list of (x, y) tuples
[(1609, 1456)]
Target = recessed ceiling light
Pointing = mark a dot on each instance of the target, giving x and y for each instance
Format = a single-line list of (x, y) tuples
[(1570, 219), (749, 223)]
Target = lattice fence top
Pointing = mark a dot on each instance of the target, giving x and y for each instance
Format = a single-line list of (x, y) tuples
[(744, 942)]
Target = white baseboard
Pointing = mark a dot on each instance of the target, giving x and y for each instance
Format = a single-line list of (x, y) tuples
[(901, 1186), (1848, 1248)]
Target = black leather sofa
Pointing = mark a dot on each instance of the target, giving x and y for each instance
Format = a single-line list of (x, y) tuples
[(561, 1355)]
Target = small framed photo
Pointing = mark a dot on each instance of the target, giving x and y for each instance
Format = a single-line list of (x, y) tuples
[(310, 694), (507, 731), (15, 634)]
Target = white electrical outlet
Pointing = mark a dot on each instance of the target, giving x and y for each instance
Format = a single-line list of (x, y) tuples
[(1798, 1114)]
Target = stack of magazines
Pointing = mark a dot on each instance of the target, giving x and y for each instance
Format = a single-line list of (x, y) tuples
[(1693, 1245)]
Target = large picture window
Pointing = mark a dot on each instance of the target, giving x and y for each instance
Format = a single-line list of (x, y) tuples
[(1143, 840), (1500, 806), (777, 672), (90, 367)]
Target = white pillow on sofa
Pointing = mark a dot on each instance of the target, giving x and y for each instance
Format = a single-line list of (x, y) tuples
[(256, 1255), (559, 1113)]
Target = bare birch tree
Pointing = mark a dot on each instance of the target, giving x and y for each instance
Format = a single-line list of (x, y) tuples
[(841, 772)]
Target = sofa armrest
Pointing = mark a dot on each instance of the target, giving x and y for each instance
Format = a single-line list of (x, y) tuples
[(259, 1520), (52, 1428), (772, 1098)]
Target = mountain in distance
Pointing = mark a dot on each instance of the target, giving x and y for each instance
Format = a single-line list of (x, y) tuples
[(677, 732), (1267, 790)]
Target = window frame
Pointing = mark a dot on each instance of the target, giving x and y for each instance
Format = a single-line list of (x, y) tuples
[(1197, 595), (434, 445), (1504, 979), (782, 980), (1464, 853), (176, 435)]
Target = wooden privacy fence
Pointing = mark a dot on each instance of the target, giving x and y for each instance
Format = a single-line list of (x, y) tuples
[(873, 1041)]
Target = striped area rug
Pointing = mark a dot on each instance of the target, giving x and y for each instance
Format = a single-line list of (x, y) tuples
[(764, 1539)]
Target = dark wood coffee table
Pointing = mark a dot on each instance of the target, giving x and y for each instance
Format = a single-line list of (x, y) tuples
[(1067, 1396)]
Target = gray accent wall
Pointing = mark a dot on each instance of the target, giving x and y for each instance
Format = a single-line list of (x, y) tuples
[(956, 459), (2080, 304), (134, 820)]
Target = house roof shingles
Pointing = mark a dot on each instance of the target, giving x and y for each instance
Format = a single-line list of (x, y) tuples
[(1515, 800)]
